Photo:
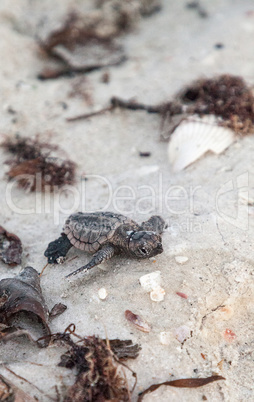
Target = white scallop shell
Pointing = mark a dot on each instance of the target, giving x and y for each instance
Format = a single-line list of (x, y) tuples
[(194, 137)]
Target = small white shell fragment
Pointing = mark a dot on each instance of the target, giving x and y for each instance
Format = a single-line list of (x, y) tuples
[(157, 294), (182, 333), (180, 259), (165, 338), (102, 293), (147, 170), (150, 281), (194, 137)]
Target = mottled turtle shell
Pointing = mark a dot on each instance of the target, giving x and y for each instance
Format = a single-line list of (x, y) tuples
[(89, 231)]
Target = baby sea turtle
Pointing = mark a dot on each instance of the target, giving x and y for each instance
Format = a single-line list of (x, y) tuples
[(106, 234)]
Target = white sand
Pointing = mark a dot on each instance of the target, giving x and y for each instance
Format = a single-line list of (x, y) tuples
[(209, 224)]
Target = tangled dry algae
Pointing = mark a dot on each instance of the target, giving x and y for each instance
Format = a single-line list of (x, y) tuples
[(23, 308), (10, 247), (96, 361), (87, 42), (32, 166), (225, 96), (79, 49)]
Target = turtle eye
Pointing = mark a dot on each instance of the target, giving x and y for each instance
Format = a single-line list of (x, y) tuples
[(143, 251)]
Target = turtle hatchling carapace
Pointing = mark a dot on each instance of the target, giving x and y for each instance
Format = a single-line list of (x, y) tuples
[(106, 234)]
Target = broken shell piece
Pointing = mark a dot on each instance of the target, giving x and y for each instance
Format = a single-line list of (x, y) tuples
[(181, 259), (91, 55), (137, 321), (229, 335), (183, 295), (102, 293), (57, 310), (22, 306), (150, 281), (182, 333), (194, 137), (147, 170), (165, 338), (157, 294)]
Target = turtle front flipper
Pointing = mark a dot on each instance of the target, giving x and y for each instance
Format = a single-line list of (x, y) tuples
[(102, 255), (57, 250), (154, 224)]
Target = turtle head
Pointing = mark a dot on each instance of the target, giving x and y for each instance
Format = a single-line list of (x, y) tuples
[(145, 244)]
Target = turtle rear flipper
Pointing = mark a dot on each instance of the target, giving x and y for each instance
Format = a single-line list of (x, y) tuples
[(102, 255), (57, 250)]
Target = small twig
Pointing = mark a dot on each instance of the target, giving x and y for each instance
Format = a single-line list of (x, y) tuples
[(28, 382), (87, 115), (117, 102), (73, 258), (128, 368), (43, 269), (57, 393), (70, 71)]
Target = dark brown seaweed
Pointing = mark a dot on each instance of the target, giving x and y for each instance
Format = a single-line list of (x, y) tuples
[(10, 247), (182, 383), (33, 167), (97, 365)]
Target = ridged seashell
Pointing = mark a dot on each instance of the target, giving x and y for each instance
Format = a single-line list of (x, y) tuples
[(194, 137)]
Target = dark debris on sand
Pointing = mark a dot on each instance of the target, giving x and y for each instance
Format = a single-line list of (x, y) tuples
[(33, 167), (10, 247), (100, 373), (225, 96), (228, 97), (86, 42)]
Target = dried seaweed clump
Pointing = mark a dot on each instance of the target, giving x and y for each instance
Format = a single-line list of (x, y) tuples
[(85, 42), (33, 167), (226, 96), (10, 247), (98, 369), (121, 16)]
